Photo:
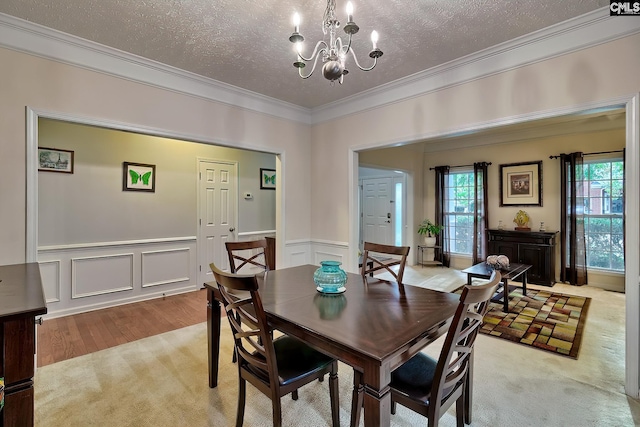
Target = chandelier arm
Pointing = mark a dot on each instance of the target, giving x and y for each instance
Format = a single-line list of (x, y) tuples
[(348, 46), (375, 61), (316, 52), (315, 62), (341, 48)]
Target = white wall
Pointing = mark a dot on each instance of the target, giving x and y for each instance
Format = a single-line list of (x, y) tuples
[(49, 86)]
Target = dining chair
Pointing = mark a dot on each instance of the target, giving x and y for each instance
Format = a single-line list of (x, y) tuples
[(428, 386), (276, 367), (240, 258), (250, 257), (378, 257)]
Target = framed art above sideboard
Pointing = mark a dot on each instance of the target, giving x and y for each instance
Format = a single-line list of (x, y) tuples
[(521, 184)]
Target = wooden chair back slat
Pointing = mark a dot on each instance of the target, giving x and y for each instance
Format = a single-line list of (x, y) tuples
[(453, 364), (239, 257), (451, 381), (257, 354), (378, 257)]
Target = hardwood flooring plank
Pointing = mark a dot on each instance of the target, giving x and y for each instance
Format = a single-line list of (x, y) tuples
[(72, 336)]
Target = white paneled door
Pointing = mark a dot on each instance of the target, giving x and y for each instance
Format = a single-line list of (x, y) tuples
[(217, 214), (377, 211)]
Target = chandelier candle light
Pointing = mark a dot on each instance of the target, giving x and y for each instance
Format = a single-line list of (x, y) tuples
[(334, 53)]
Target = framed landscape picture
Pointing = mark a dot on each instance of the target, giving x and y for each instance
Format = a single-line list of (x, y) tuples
[(267, 179), (55, 160), (521, 184), (138, 177)]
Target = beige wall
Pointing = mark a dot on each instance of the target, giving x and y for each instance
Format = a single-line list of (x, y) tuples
[(90, 206), (44, 85), (595, 74), (529, 151)]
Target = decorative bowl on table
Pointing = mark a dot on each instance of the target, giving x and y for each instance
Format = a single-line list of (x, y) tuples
[(498, 262), (330, 278)]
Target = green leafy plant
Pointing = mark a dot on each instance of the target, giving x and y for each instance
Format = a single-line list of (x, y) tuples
[(429, 228)]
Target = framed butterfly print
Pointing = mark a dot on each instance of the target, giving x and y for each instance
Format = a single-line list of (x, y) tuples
[(267, 179), (138, 177)]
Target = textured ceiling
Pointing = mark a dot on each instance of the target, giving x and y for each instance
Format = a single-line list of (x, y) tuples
[(245, 42)]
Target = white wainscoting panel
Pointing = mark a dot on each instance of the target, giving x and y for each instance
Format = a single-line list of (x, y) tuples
[(296, 253), (51, 278), (99, 275), (84, 277), (165, 266), (320, 256), (322, 250)]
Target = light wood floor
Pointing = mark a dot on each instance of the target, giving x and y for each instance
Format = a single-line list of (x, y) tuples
[(71, 336)]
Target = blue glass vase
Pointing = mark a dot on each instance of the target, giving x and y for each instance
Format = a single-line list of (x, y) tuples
[(330, 278)]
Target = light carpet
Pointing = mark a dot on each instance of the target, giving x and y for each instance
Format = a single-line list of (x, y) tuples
[(437, 278), (162, 381)]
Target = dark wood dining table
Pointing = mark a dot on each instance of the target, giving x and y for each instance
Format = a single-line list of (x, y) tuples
[(375, 326)]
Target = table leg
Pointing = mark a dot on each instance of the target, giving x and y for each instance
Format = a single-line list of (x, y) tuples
[(505, 295), (213, 334), (377, 398), (524, 284)]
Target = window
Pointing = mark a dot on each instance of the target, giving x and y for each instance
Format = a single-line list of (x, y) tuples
[(399, 197), (459, 210), (603, 188)]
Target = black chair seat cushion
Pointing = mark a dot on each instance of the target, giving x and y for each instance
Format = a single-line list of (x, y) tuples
[(295, 360), (414, 378)]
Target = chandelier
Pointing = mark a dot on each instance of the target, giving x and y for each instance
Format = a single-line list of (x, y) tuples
[(334, 52)]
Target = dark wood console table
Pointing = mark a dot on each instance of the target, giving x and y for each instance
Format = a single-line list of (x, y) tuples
[(21, 300), (536, 248)]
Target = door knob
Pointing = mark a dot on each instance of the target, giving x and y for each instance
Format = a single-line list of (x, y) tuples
[(232, 229)]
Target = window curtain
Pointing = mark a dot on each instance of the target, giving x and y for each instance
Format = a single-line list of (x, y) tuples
[(573, 252), (442, 239), (481, 215)]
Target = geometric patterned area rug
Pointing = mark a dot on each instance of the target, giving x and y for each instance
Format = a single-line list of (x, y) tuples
[(543, 319)]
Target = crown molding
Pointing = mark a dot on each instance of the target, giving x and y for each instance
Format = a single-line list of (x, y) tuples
[(614, 119), (584, 31), (27, 37), (569, 36)]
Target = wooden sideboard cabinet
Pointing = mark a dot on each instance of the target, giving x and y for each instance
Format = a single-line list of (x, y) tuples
[(527, 247), (21, 300)]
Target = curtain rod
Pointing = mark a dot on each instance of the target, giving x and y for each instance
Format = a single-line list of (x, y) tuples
[(460, 166), (591, 154)]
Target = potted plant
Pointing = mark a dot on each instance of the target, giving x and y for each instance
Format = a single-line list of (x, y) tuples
[(429, 230)]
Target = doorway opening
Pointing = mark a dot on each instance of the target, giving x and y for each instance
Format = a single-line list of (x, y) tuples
[(85, 223), (383, 201)]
